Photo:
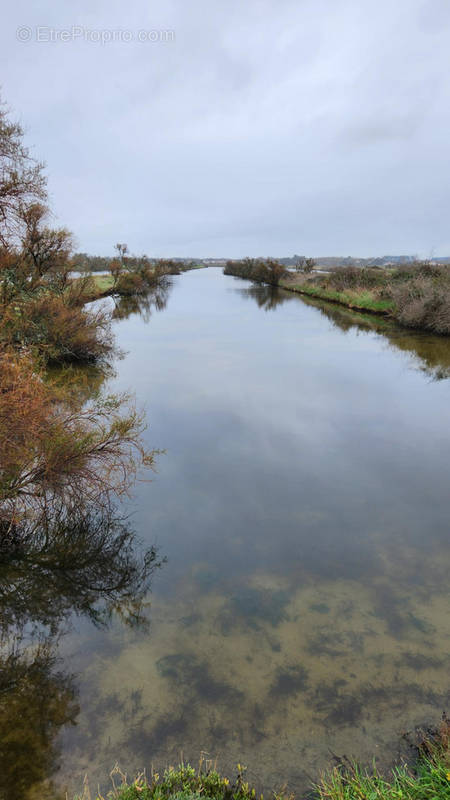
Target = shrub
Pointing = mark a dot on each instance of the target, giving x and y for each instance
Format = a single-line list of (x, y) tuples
[(343, 278), (305, 265), (54, 450), (130, 282), (422, 303), (416, 294), (259, 270), (56, 330), (38, 305)]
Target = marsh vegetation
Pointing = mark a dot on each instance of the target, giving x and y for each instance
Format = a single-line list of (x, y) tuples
[(415, 294)]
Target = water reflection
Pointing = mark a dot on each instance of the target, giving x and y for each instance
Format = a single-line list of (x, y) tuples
[(83, 383), (266, 297), (143, 304), (36, 700), (82, 563), (430, 352), (78, 562), (303, 503)]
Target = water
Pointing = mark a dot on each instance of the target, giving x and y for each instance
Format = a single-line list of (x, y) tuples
[(302, 504)]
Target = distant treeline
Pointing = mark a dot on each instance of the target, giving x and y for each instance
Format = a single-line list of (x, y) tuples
[(329, 262), (257, 269), (83, 262)]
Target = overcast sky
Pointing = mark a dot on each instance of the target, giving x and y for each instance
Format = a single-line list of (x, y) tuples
[(238, 127)]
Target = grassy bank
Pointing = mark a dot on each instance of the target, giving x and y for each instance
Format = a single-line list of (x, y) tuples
[(103, 283), (416, 295), (130, 282), (358, 300), (427, 779), (96, 287)]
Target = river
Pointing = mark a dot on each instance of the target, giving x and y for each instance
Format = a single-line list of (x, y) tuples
[(302, 503)]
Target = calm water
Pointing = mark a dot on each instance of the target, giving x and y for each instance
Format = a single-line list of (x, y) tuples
[(303, 506)]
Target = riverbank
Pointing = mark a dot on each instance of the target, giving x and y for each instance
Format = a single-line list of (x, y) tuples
[(416, 295), (428, 778), (97, 287), (102, 286), (362, 300)]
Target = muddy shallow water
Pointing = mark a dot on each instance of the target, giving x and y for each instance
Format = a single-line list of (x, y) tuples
[(302, 504)]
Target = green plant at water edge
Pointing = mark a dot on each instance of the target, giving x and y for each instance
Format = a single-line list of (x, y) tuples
[(182, 783), (429, 779), (417, 295)]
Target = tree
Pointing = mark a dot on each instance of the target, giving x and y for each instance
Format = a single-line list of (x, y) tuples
[(122, 250), (116, 268), (40, 307), (44, 250), (257, 269), (274, 271), (22, 180), (56, 451), (305, 265)]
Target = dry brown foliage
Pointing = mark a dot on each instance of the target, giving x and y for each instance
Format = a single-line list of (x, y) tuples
[(55, 451), (56, 328)]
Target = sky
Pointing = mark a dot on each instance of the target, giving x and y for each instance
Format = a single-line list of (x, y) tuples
[(238, 127)]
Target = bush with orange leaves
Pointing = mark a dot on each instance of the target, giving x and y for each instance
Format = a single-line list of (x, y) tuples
[(56, 451), (55, 329), (40, 308)]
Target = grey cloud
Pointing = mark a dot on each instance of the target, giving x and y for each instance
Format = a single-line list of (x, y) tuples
[(271, 126)]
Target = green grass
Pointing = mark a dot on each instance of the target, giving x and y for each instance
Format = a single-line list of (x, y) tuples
[(431, 781), (183, 783), (103, 283), (363, 299)]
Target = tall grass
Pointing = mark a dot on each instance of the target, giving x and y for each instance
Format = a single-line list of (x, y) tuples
[(428, 780)]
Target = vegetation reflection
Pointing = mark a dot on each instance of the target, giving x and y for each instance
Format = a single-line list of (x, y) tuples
[(82, 562), (67, 456), (431, 351), (142, 304)]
